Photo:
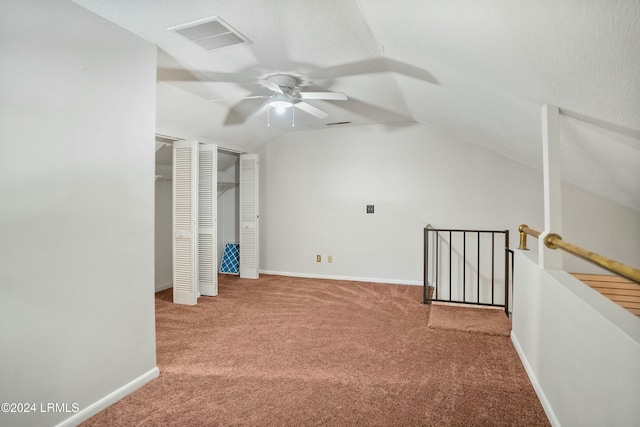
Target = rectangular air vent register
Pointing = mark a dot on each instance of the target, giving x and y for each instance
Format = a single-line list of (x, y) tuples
[(210, 33)]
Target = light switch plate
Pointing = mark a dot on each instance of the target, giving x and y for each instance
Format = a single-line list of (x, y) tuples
[(370, 209)]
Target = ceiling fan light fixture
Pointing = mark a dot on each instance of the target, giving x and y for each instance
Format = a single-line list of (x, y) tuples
[(280, 104)]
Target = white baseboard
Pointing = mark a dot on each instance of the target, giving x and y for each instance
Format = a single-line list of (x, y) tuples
[(109, 399), (355, 279), (163, 287), (546, 405)]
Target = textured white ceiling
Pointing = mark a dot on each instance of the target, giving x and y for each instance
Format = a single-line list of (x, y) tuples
[(480, 70)]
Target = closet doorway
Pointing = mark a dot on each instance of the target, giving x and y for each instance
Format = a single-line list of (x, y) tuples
[(227, 207)]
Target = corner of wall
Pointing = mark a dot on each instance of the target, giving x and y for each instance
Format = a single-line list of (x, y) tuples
[(110, 399), (544, 401)]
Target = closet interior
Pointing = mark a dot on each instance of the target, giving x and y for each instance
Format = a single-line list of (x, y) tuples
[(228, 173)]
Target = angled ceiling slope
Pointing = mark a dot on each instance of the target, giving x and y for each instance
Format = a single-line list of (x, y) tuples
[(478, 70)]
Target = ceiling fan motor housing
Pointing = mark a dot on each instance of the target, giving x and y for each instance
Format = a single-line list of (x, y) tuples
[(285, 82)]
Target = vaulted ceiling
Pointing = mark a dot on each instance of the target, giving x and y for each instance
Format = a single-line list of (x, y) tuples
[(480, 70)]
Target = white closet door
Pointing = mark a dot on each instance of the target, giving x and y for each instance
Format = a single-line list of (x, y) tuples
[(185, 226), (208, 219), (249, 216)]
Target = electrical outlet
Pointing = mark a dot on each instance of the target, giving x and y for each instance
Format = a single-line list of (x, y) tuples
[(330, 259), (318, 258), (370, 208)]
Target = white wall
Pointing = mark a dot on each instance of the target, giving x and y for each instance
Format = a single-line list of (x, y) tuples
[(77, 122), (581, 350), (315, 185), (601, 226)]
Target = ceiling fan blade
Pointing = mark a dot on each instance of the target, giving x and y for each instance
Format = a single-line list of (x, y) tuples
[(314, 111), (371, 66), (330, 96), (240, 99), (177, 74), (272, 86), (244, 111)]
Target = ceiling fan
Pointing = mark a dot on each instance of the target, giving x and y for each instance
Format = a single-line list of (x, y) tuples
[(285, 95), (286, 87)]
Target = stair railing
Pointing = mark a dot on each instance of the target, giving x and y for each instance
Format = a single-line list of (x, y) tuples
[(554, 241), (474, 279)]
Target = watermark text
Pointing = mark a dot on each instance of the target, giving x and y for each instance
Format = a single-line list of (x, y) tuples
[(26, 407)]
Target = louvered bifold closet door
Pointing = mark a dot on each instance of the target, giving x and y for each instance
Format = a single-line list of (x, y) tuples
[(249, 230), (185, 226), (208, 219)]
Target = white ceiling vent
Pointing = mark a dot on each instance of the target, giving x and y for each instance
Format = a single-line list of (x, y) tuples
[(210, 33)]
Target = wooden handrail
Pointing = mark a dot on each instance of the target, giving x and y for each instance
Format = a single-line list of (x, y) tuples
[(554, 241)]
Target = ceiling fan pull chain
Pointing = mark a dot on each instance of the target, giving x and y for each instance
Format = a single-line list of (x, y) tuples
[(268, 118), (293, 117)]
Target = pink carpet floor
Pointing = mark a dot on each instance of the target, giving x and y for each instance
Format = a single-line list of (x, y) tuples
[(282, 351)]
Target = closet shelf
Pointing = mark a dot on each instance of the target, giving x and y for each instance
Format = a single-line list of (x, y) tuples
[(224, 186)]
